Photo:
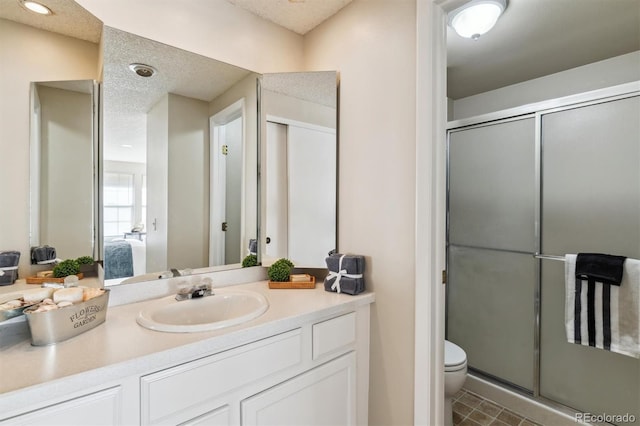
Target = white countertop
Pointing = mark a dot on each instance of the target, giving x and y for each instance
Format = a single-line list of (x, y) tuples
[(120, 347)]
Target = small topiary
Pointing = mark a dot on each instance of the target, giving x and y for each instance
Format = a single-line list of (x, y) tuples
[(85, 260), (250, 260), (66, 268), (280, 270)]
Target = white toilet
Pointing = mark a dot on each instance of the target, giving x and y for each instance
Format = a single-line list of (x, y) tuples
[(455, 373)]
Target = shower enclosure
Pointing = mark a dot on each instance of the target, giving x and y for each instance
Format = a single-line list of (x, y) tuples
[(525, 187)]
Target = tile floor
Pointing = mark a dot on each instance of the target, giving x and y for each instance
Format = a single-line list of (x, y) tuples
[(470, 409)]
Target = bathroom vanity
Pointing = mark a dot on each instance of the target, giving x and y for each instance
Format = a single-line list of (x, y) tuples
[(304, 361)]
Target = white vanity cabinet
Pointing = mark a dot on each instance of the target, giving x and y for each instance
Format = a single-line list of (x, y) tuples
[(305, 376), (305, 363), (325, 395)]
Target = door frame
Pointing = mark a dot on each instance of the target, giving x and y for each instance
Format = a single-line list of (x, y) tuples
[(430, 211), (217, 179)]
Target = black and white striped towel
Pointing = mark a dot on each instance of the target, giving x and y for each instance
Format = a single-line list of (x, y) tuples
[(602, 315)]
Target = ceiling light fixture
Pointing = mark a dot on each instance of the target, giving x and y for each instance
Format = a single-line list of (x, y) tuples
[(143, 70), (476, 17), (36, 7)]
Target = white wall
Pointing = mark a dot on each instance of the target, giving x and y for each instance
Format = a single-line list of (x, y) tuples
[(598, 75), (284, 106), (66, 196), (213, 28), (27, 55), (157, 185), (188, 200), (372, 43)]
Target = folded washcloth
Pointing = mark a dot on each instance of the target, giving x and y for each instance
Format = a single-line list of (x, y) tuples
[(9, 258), (603, 268), (42, 254), (353, 264), (602, 315), (345, 273), (253, 246)]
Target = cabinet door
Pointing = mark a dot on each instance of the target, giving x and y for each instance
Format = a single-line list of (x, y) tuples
[(99, 408), (322, 396)]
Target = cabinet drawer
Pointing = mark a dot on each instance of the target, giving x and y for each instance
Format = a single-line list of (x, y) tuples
[(99, 408), (334, 336), (180, 393)]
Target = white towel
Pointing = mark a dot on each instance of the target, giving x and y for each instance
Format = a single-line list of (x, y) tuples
[(619, 331)]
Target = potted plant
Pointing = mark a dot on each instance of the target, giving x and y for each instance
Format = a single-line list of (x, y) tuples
[(66, 268), (250, 260), (87, 266), (280, 270)]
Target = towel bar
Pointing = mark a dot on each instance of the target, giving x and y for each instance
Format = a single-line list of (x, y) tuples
[(548, 257)]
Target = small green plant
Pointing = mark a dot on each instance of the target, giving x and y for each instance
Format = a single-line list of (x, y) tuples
[(66, 268), (85, 260), (280, 270), (250, 260)]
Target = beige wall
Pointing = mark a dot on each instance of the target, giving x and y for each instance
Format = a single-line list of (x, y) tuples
[(372, 43), (27, 55), (188, 202), (213, 28)]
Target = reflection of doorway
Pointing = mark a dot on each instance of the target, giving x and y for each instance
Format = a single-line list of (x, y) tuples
[(227, 153)]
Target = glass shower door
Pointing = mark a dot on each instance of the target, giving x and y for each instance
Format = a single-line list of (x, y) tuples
[(491, 242), (590, 203)]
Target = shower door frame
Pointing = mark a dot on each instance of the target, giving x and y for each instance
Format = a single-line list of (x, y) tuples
[(537, 111)]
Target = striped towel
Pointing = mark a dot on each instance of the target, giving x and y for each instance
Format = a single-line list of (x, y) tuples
[(602, 315)]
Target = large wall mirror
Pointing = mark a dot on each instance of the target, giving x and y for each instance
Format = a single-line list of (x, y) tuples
[(299, 153), (172, 187), (179, 167)]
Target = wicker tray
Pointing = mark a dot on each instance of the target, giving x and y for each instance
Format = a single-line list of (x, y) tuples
[(294, 284), (42, 280)]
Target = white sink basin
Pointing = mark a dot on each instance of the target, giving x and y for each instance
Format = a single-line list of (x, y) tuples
[(223, 309)]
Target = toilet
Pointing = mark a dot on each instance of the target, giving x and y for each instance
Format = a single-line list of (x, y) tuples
[(455, 373)]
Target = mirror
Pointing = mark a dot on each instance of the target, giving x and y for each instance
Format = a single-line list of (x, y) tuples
[(179, 169), (62, 186), (299, 152)]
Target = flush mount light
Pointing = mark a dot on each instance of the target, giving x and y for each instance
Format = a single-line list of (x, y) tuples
[(476, 17), (36, 7), (143, 70)]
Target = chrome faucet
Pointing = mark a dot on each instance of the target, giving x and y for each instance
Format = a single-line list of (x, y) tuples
[(194, 291)]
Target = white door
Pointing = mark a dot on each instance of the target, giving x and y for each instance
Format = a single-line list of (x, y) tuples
[(323, 396), (311, 155), (276, 221), (226, 186)]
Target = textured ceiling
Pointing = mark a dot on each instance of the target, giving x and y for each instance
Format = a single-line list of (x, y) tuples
[(127, 97), (300, 16), (534, 38), (317, 87), (68, 18)]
